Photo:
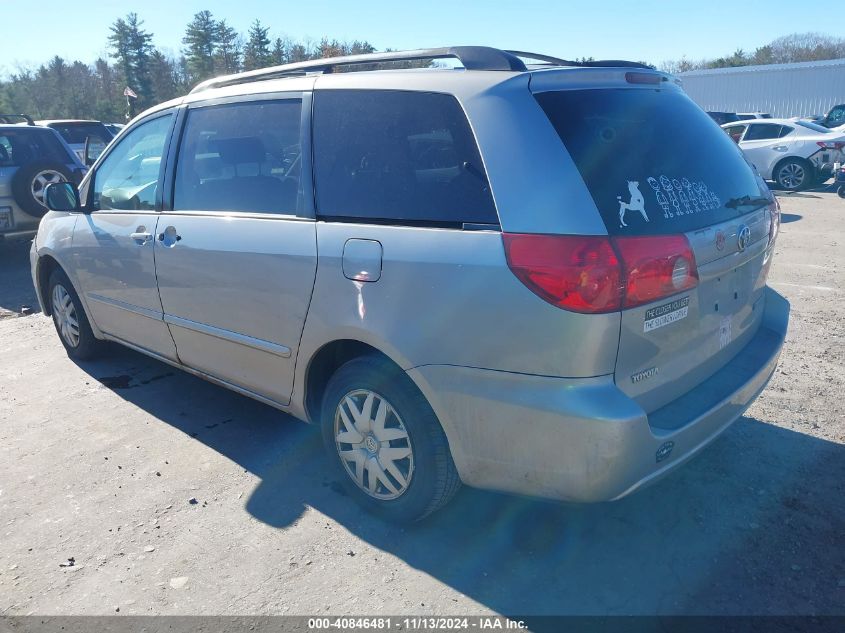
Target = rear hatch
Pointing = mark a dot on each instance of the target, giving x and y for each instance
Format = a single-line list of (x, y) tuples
[(678, 200)]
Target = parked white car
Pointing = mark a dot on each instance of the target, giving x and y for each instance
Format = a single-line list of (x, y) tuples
[(744, 116), (794, 154)]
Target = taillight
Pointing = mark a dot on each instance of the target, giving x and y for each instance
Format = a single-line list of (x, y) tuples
[(578, 273), (655, 267), (774, 224), (601, 274), (830, 144)]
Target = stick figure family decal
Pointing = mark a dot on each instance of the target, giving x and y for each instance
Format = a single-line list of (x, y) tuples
[(675, 197)]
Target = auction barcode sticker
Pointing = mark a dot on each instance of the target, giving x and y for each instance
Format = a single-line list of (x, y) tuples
[(665, 314)]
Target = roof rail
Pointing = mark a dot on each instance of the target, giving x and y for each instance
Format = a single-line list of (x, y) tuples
[(472, 58), (598, 63), (4, 118)]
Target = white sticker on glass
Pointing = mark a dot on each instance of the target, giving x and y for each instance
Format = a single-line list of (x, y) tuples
[(636, 202)]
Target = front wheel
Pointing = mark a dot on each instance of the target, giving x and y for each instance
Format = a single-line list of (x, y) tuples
[(794, 174), (70, 319), (841, 191), (385, 442)]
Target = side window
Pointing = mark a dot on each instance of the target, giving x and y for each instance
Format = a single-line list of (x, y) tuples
[(784, 130), (762, 132), (735, 132), (398, 156), (240, 157), (128, 177)]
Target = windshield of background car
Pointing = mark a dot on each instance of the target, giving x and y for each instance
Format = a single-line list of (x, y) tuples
[(17, 148), (654, 162)]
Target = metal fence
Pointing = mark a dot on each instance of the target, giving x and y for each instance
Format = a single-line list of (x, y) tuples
[(784, 90)]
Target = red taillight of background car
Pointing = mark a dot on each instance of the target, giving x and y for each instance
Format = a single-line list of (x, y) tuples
[(831, 144), (594, 274)]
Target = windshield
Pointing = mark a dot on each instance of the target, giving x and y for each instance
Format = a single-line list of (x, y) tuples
[(654, 162)]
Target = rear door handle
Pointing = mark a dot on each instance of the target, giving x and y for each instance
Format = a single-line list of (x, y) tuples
[(169, 237)]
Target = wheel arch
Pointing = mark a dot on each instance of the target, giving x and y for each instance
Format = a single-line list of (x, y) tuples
[(325, 362), (46, 265), (799, 159)]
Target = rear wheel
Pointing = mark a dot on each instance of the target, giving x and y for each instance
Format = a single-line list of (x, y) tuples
[(794, 174), (841, 191), (385, 442), (70, 319)]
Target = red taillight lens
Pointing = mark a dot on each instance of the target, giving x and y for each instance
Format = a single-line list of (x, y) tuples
[(601, 274), (579, 273), (655, 266), (830, 144)]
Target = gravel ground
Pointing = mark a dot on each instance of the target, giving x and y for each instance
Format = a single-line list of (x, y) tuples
[(128, 485)]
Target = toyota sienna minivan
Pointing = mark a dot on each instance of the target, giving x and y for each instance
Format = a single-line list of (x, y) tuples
[(520, 273)]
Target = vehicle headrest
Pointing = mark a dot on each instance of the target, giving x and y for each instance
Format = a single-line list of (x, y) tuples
[(236, 151)]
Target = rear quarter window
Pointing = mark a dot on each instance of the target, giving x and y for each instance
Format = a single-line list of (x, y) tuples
[(18, 148), (398, 157), (653, 161)]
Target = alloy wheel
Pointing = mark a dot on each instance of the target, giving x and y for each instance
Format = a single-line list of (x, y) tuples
[(792, 175), (40, 182)]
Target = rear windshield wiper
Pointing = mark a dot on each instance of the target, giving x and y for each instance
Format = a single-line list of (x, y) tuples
[(747, 201)]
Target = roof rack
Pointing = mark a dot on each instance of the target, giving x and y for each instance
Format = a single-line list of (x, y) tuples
[(472, 58), (4, 118)]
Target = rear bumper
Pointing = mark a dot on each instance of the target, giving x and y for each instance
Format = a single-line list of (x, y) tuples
[(583, 439)]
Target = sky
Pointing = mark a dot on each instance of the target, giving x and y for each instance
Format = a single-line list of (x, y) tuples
[(644, 30)]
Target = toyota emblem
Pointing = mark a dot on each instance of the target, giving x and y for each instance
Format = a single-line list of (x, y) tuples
[(743, 237)]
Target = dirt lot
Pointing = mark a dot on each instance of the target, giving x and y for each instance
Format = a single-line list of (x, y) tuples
[(173, 496)]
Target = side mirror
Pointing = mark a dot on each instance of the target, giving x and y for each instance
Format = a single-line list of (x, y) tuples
[(62, 196)]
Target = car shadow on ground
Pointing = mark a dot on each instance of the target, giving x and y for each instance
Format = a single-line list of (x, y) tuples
[(16, 291), (751, 526), (786, 218)]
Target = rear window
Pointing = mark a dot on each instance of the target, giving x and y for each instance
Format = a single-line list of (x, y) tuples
[(18, 148), (654, 162), (398, 157), (813, 126), (76, 133)]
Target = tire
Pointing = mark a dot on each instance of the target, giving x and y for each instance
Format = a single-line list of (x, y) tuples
[(410, 430), (29, 182), (841, 191), (794, 174), (67, 309)]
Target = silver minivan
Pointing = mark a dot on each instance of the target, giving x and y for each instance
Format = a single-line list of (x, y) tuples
[(520, 273)]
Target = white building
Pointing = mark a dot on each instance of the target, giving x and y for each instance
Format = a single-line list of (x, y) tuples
[(784, 90)]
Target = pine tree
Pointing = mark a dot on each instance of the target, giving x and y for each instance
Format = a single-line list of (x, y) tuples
[(201, 40), (257, 50), (131, 47), (227, 54), (281, 51)]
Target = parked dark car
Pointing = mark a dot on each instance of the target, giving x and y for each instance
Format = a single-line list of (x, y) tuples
[(724, 117), (31, 157)]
